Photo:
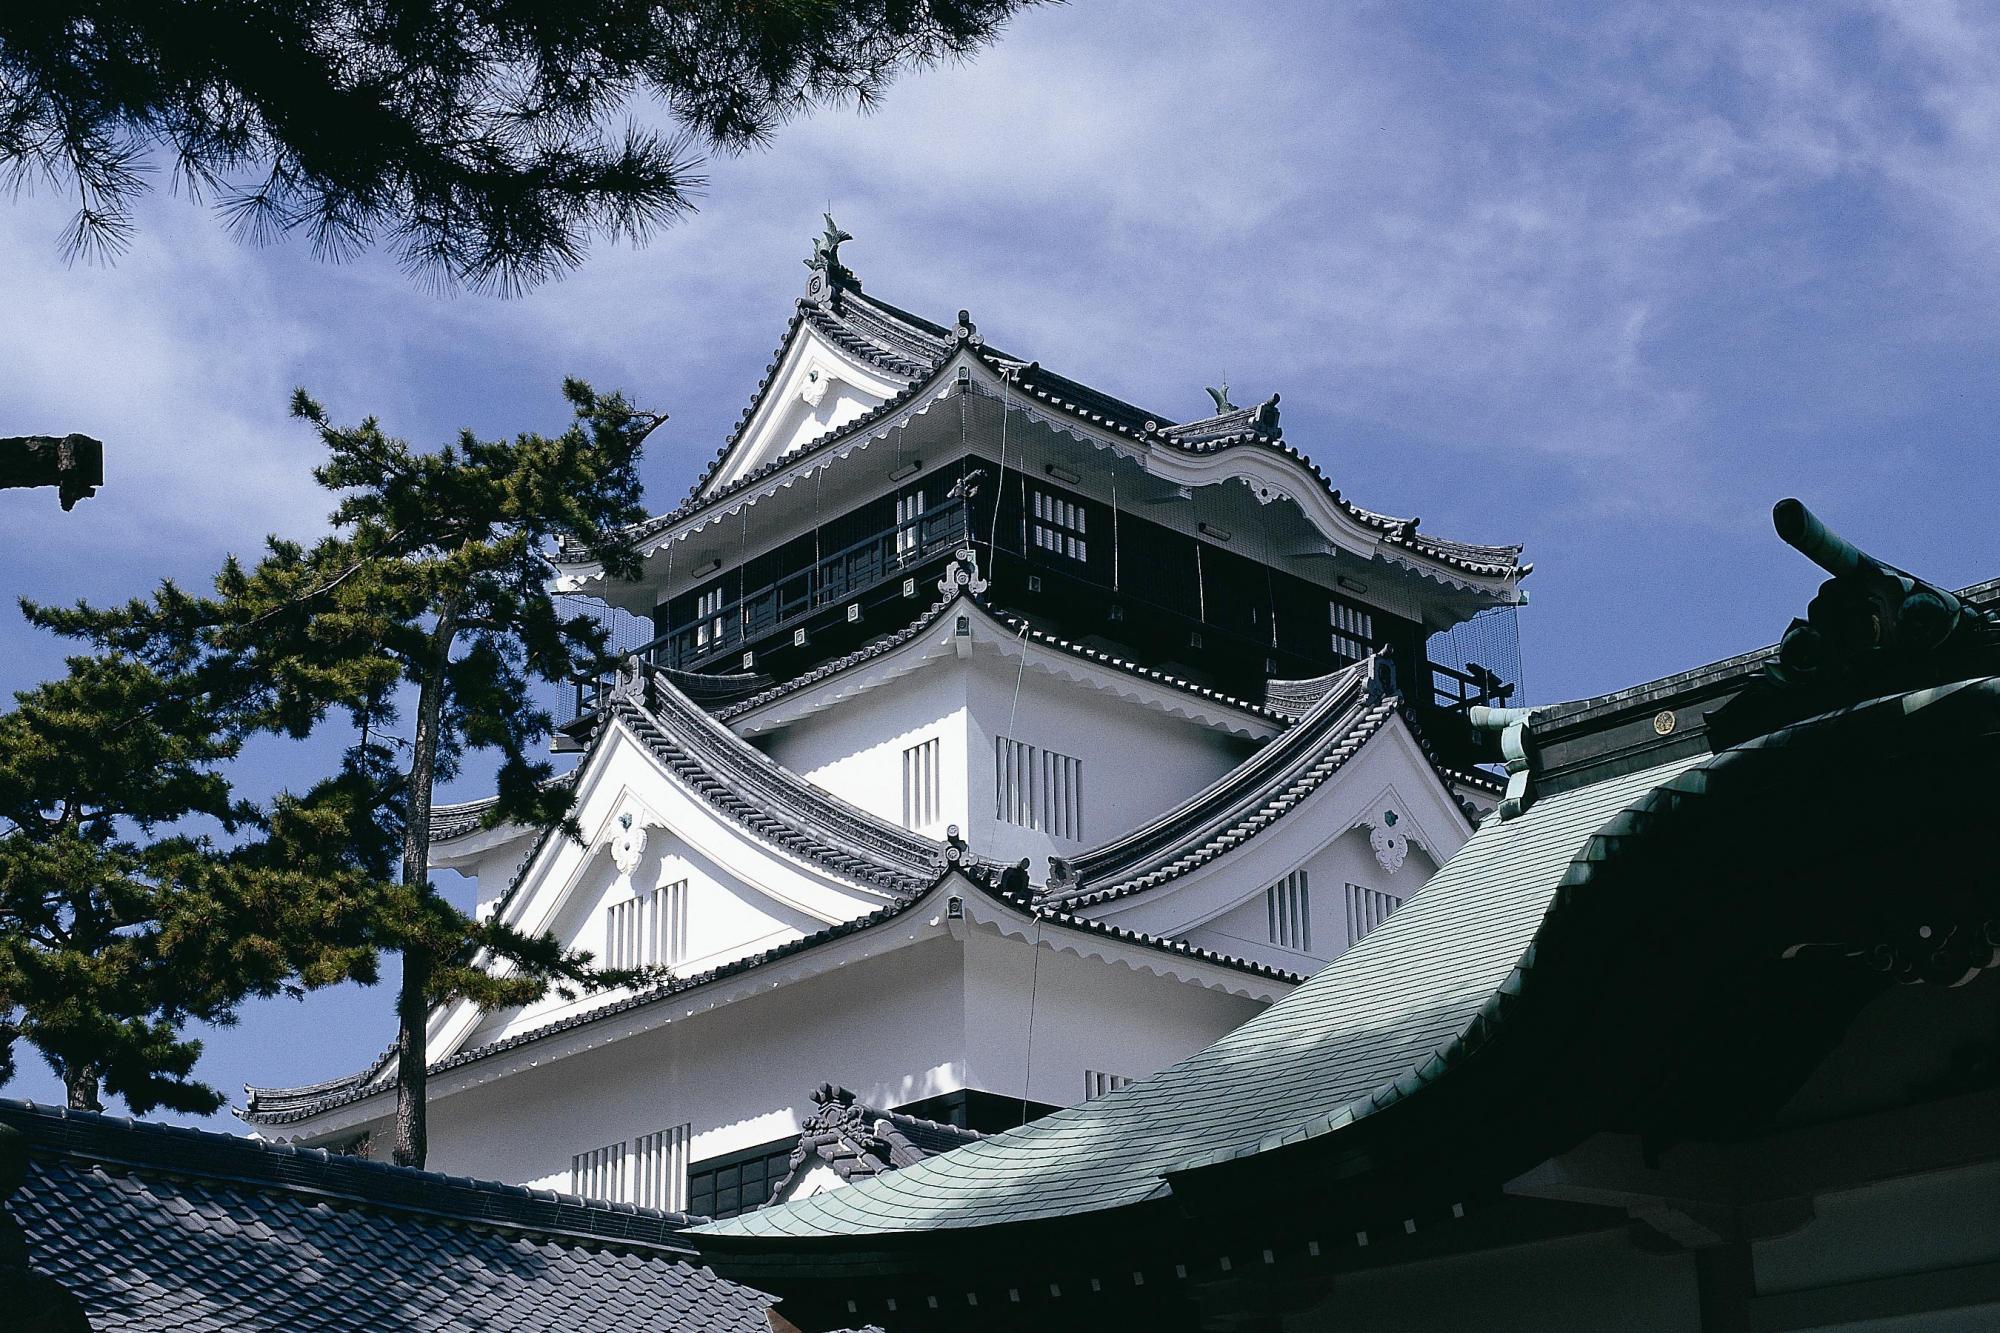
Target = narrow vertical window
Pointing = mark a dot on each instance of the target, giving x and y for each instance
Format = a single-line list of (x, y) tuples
[(1367, 909), (660, 1169), (649, 930), (1353, 630), (1062, 795), (1097, 1083), (909, 513), (1288, 908), (1014, 782), (921, 785), (599, 1173), (1058, 526), (708, 617), (1038, 789)]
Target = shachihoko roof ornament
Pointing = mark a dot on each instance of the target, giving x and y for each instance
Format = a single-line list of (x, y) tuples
[(829, 275)]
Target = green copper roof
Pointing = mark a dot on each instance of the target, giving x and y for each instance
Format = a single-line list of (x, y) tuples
[(1374, 1016)]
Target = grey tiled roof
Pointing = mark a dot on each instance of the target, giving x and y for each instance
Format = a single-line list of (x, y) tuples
[(913, 350), (279, 1106), (455, 821), (1370, 1017), (158, 1228), (1252, 797), (1074, 399), (757, 793), (1242, 802)]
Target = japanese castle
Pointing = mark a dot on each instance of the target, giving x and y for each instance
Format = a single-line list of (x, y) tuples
[(996, 743)]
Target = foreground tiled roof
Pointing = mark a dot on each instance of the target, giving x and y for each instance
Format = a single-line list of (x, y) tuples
[(157, 1228), (1534, 916), (1365, 1020)]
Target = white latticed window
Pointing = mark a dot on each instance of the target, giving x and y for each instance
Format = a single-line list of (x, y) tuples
[(1096, 1083), (708, 621), (1037, 788), (660, 1169), (649, 930), (1367, 909), (1288, 904), (599, 1173), (920, 785), (909, 533), (1058, 526), (1353, 630)]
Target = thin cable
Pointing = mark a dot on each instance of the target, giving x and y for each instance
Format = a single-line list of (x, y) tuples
[(1034, 989), (1000, 480), (1116, 547), (1035, 964)]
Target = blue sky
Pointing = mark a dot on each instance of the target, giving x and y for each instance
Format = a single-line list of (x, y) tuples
[(1603, 279)]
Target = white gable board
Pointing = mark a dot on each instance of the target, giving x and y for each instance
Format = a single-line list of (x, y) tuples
[(816, 388), (643, 829)]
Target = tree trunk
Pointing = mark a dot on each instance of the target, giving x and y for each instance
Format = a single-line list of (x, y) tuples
[(412, 1003), (80, 1083)]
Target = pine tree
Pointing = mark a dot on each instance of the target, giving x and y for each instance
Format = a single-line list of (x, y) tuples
[(479, 136), (122, 918), (430, 599)]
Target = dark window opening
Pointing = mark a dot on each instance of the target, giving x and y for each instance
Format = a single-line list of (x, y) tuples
[(740, 1181)]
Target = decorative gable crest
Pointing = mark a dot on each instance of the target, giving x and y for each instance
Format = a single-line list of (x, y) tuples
[(1389, 842), (627, 841)]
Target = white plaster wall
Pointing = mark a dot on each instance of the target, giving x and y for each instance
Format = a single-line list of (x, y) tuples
[(1245, 931), (1087, 1015), (932, 1017), (727, 919), (855, 748), (1137, 763), (890, 1027), (494, 872)]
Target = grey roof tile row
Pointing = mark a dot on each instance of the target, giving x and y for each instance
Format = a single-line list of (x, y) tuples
[(155, 1228), (278, 1106), (913, 350), (1242, 803)]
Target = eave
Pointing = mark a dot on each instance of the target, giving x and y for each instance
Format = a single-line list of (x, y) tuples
[(337, 1105), (935, 634), (1270, 467)]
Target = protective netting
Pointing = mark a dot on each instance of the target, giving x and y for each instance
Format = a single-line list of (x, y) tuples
[(1470, 657), (628, 633)]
